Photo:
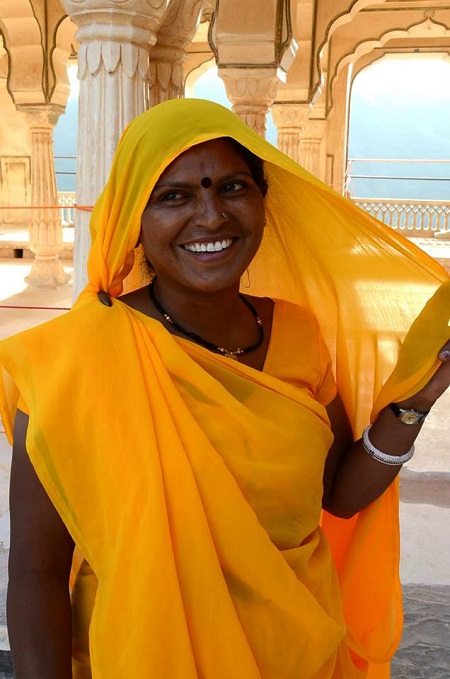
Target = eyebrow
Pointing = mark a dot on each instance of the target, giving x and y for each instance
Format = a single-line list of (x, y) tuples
[(168, 183)]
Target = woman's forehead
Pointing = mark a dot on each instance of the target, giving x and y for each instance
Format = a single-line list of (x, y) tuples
[(206, 159)]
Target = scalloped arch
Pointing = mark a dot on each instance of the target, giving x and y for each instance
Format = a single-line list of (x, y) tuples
[(23, 41), (423, 29), (341, 19)]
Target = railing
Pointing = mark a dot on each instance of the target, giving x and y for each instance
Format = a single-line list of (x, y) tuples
[(67, 201), (400, 179), (412, 217)]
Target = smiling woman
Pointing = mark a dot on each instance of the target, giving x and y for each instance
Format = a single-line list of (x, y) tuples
[(192, 485), (201, 229), (201, 238)]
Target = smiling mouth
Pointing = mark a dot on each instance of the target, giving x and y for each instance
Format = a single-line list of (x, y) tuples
[(216, 246)]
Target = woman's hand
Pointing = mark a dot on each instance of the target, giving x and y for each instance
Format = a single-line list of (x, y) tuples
[(353, 479), (424, 399)]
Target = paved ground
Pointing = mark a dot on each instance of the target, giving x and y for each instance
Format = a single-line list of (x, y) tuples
[(425, 650), (425, 508)]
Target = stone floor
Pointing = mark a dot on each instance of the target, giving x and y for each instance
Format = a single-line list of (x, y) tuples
[(424, 509), (425, 649)]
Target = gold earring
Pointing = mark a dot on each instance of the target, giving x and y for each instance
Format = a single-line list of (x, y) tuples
[(247, 283)]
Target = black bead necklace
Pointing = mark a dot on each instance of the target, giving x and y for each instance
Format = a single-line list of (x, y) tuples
[(200, 340)]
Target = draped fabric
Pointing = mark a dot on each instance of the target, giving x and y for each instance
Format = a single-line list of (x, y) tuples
[(153, 450)]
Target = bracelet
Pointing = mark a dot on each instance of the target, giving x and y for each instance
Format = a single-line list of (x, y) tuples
[(379, 455)]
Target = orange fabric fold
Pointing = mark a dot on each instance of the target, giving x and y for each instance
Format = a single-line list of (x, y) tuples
[(204, 534)]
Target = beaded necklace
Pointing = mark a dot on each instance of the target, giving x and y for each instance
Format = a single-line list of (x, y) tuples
[(199, 340)]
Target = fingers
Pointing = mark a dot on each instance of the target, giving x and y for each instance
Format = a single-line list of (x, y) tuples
[(441, 378), (444, 353), (438, 384)]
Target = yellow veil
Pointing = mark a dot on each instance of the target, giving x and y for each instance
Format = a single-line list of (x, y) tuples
[(364, 284)]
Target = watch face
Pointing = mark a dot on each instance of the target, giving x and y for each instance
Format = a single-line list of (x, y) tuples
[(410, 418)]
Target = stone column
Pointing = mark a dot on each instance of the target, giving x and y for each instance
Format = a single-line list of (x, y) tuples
[(45, 223), (289, 119), (166, 76), (251, 92), (312, 153), (113, 61)]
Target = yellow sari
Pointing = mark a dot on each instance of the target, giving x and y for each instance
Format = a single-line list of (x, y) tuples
[(191, 483)]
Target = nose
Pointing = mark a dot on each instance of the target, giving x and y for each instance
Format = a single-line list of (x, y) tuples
[(209, 212)]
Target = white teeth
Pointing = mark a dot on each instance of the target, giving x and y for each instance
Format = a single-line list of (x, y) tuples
[(209, 247)]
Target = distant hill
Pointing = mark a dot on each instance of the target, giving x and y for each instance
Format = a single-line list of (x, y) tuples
[(65, 139), (409, 127), (381, 126)]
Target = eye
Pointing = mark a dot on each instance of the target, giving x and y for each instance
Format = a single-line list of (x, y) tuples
[(170, 196), (232, 187)]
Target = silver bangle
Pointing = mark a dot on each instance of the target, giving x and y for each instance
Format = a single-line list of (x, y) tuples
[(384, 457)]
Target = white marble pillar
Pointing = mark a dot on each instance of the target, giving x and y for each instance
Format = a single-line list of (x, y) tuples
[(251, 92), (312, 152), (289, 118), (166, 76), (45, 223), (113, 58)]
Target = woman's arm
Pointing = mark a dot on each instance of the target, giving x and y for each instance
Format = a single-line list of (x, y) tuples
[(352, 478), (38, 604)]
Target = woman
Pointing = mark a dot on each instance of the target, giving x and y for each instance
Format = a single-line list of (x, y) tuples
[(185, 436)]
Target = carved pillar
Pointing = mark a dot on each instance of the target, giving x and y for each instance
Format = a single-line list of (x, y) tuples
[(45, 223), (251, 91), (166, 76), (112, 67), (289, 119), (312, 153), (254, 48)]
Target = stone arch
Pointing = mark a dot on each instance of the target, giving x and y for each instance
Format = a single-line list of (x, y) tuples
[(371, 50), (23, 42), (333, 24), (428, 28), (196, 73), (63, 45)]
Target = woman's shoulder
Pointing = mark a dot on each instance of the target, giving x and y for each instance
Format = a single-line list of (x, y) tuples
[(286, 312)]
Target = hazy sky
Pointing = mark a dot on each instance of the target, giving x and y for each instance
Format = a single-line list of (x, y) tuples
[(400, 108)]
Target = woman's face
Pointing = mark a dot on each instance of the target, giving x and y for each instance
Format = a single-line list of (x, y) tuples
[(204, 221)]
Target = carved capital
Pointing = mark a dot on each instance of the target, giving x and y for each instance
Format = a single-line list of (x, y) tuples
[(113, 31), (289, 119), (165, 75), (289, 116), (45, 115), (250, 86), (146, 13), (180, 23), (312, 149), (314, 131), (94, 56), (251, 91)]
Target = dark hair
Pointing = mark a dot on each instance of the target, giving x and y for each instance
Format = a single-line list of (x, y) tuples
[(255, 165)]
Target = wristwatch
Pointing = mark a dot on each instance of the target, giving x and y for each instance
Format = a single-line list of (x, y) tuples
[(408, 415)]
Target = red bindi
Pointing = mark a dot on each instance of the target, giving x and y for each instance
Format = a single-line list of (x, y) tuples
[(206, 182)]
